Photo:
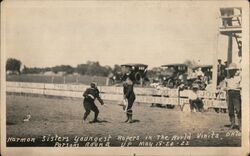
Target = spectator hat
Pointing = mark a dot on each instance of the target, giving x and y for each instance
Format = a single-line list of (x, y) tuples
[(195, 86)]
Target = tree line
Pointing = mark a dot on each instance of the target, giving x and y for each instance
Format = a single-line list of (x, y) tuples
[(91, 68)]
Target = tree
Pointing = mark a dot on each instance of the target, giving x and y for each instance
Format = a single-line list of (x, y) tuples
[(25, 70), (63, 68), (117, 68), (13, 65), (34, 70), (93, 69), (81, 69)]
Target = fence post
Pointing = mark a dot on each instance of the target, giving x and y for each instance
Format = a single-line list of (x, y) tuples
[(44, 89)]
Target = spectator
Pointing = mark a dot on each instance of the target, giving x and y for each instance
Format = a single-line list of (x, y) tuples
[(199, 72), (220, 72), (195, 102), (233, 87)]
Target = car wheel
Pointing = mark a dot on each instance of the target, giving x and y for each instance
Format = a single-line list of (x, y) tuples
[(170, 83), (138, 77)]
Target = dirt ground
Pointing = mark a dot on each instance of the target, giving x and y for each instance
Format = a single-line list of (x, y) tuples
[(58, 122)]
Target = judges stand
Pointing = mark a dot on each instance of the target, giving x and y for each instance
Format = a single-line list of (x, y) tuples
[(231, 26)]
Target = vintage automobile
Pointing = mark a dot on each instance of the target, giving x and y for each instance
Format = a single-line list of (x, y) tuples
[(172, 75), (115, 78), (138, 71)]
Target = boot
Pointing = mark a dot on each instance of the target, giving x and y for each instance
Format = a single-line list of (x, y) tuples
[(130, 118), (239, 124), (232, 120), (95, 120), (127, 118), (96, 117)]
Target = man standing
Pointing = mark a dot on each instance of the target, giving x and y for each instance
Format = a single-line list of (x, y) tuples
[(129, 97), (128, 91), (233, 89), (89, 101), (220, 71), (194, 101)]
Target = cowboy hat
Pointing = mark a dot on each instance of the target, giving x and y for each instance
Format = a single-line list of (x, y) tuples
[(232, 66), (195, 86)]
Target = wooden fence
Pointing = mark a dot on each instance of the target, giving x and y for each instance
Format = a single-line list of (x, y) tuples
[(143, 95)]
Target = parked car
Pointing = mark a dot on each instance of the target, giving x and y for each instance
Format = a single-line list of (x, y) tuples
[(172, 75)]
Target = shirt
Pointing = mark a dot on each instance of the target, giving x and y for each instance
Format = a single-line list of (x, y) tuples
[(91, 94), (128, 90), (128, 75), (192, 95), (233, 83), (199, 73)]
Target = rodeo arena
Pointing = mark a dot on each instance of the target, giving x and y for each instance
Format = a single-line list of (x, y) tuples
[(180, 105)]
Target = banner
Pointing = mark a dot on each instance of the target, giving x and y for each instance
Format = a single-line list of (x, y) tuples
[(205, 94)]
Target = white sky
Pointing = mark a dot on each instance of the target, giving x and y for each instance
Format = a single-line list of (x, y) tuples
[(113, 33)]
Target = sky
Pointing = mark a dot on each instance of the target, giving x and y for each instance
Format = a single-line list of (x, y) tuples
[(153, 33)]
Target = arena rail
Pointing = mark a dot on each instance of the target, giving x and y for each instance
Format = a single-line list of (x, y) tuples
[(143, 95)]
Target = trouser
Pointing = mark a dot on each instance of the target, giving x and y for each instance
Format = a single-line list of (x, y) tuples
[(129, 107), (219, 79), (196, 104), (90, 106), (234, 105)]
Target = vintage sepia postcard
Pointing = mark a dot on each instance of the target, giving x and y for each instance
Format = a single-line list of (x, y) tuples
[(124, 78)]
